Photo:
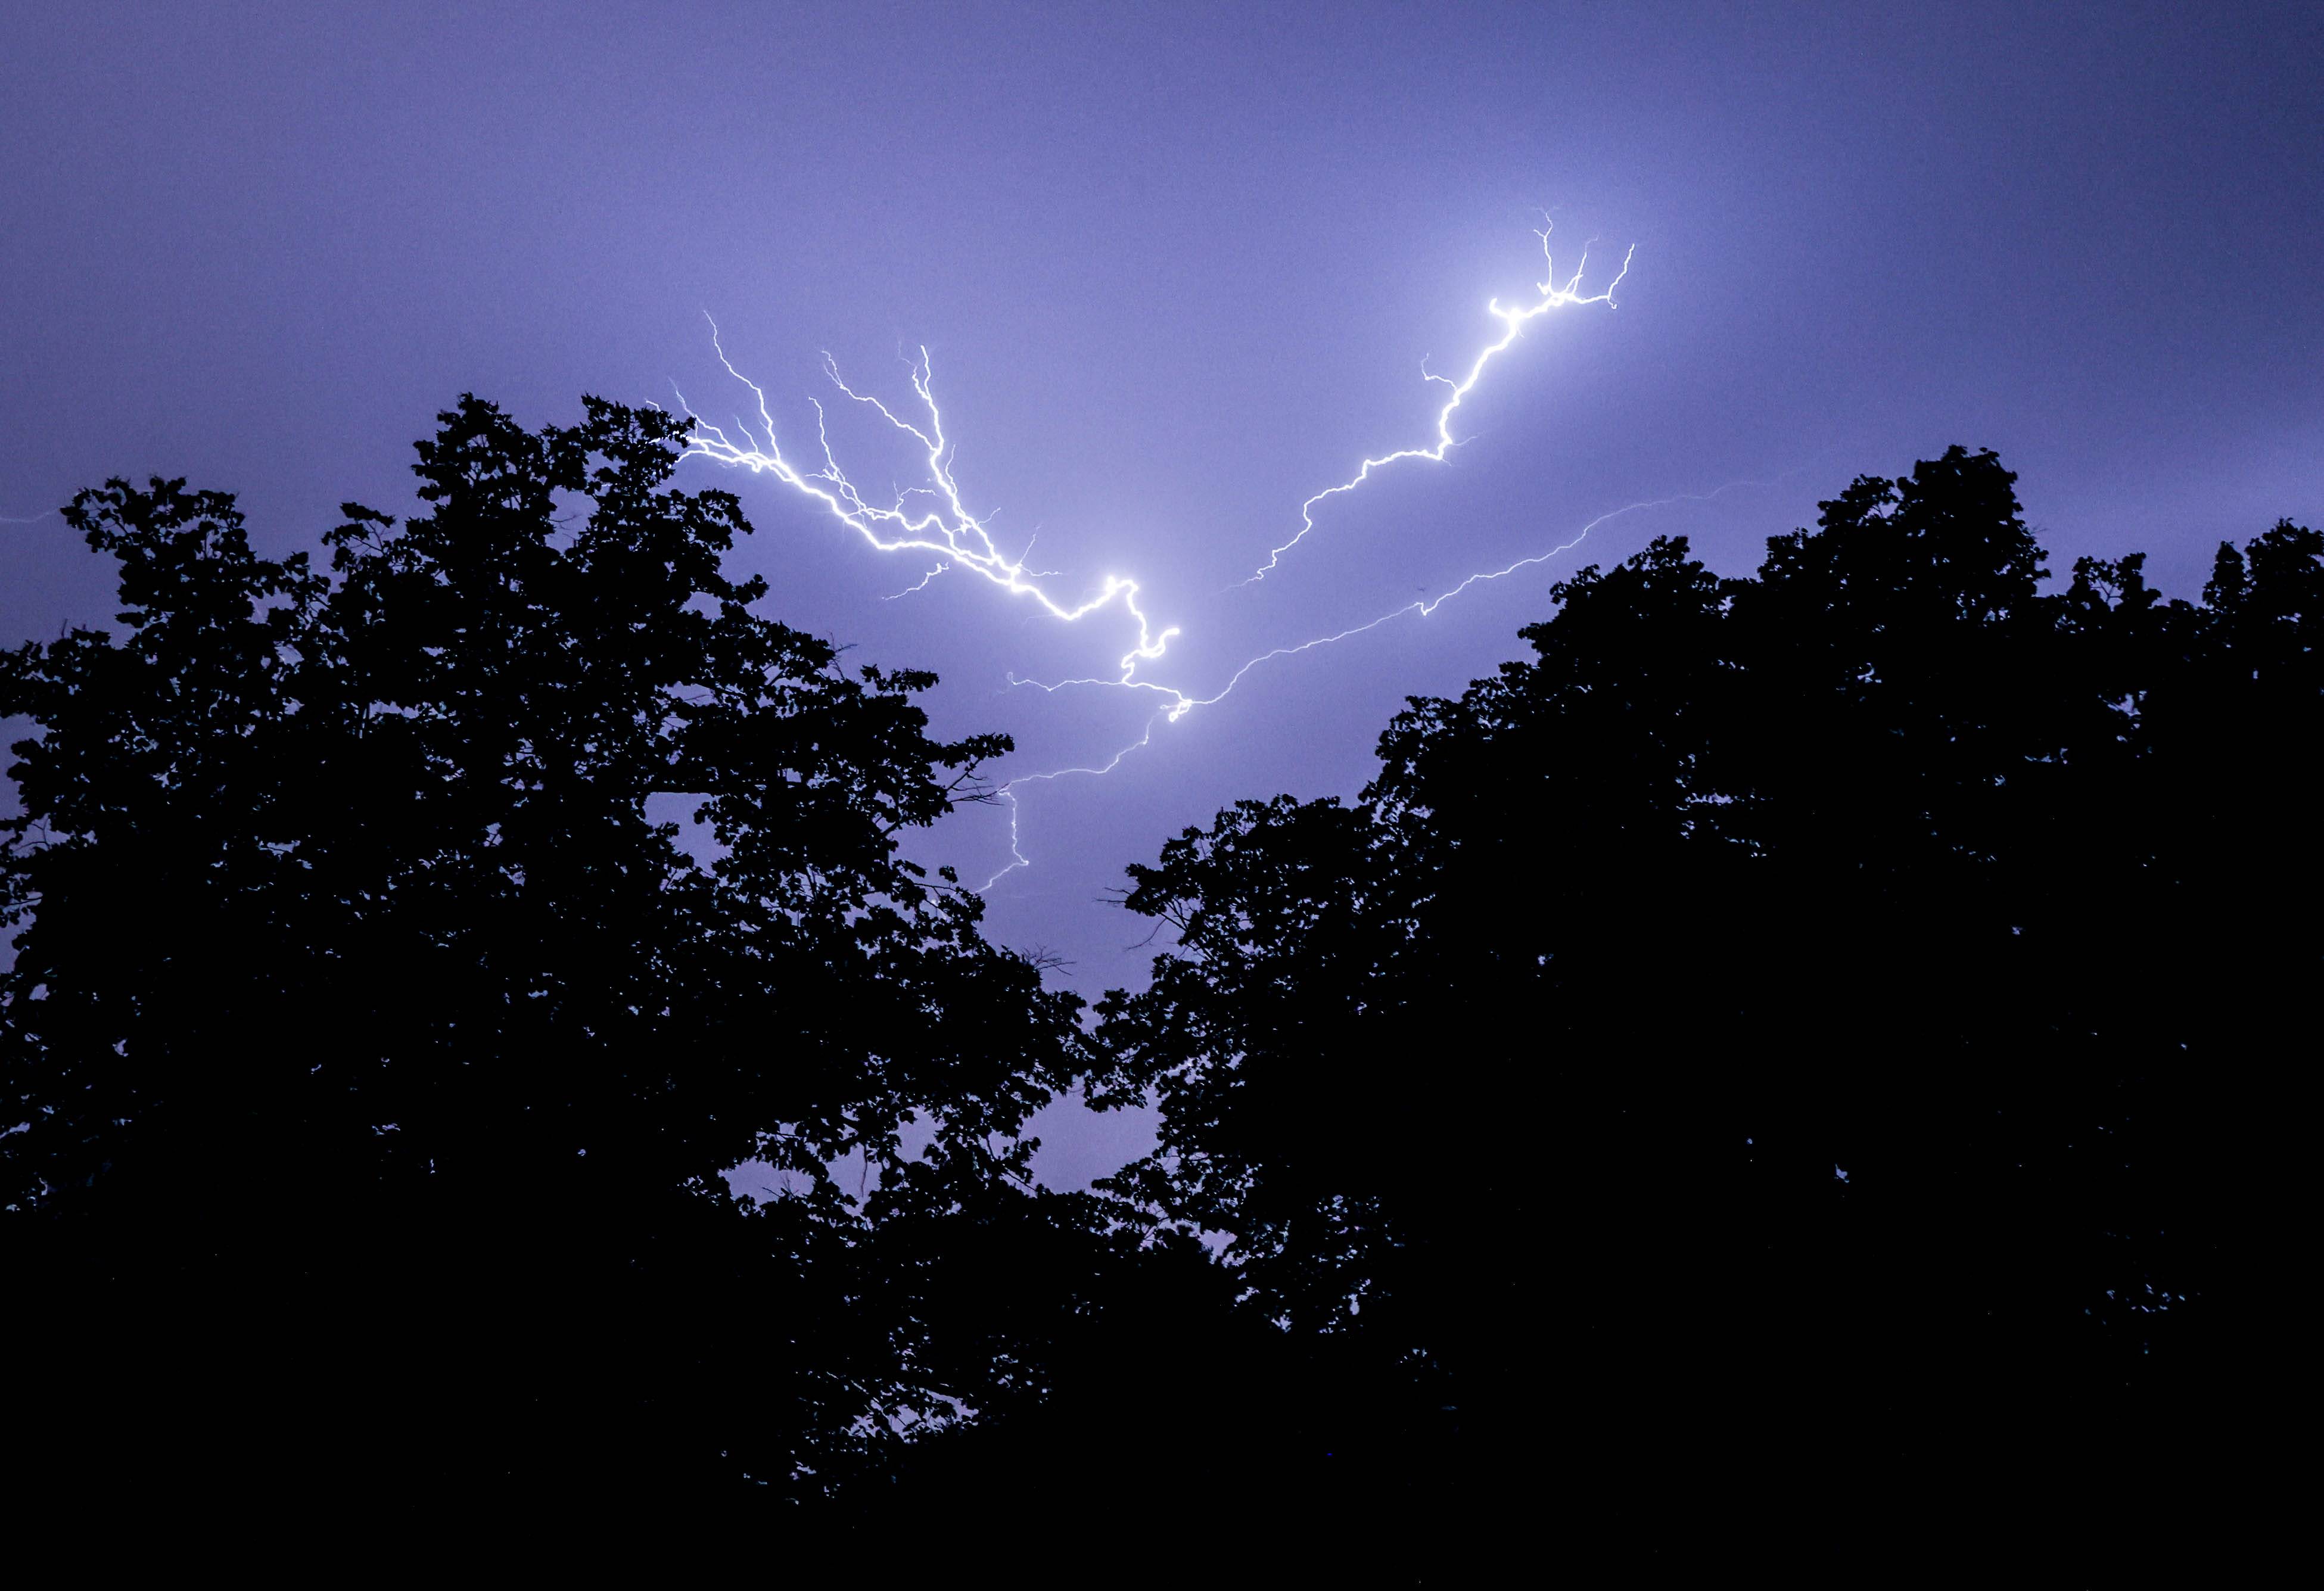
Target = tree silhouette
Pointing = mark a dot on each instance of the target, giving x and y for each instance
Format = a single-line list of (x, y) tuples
[(1804, 1038), (1791, 1043), (375, 1052)]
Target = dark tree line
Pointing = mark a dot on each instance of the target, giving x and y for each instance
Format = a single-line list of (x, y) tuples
[(1820, 1041), (1794, 1044), (379, 1053)]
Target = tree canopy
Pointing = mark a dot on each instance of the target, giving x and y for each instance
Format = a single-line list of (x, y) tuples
[(378, 1044), (1809, 1031), (1790, 1042)]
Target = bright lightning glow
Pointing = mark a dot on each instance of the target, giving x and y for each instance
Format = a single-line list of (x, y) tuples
[(948, 531), (1181, 703), (1553, 295)]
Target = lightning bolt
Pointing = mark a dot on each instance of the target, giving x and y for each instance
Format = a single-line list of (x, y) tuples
[(1180, 704), (1554, 295), (944, 529), (923, 586), (956, 537), (1008, 792)]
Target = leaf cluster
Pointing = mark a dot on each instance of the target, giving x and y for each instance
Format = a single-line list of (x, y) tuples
[(365, 968), (1808, 1012)]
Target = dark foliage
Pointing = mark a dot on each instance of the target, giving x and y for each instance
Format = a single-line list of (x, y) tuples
[(1793, 1049), (379, 1052), (1791, 1046)]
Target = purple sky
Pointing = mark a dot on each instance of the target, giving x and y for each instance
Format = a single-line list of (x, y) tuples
[(1177, 269)]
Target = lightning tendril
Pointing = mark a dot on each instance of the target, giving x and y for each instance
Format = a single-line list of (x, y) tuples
[(943, 527), (1554, 295)]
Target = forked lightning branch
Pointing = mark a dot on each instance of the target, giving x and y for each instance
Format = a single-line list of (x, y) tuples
[(932, 520)]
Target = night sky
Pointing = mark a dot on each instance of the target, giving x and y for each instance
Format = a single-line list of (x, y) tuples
[(1177, 269)]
